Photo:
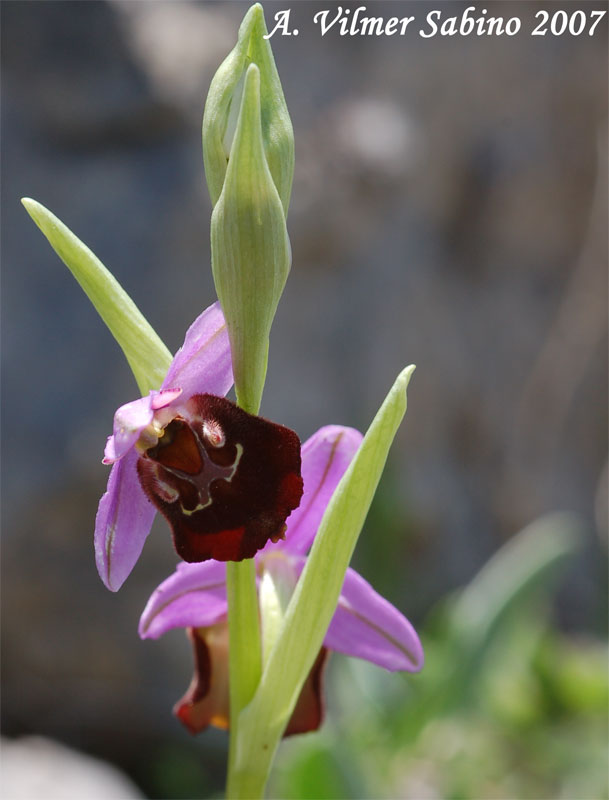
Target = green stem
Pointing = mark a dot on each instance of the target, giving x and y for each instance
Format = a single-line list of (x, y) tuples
[(245, 653), (248, 785)]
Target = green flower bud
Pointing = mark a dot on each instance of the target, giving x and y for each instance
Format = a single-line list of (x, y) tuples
[(250, 248), (223, 103)]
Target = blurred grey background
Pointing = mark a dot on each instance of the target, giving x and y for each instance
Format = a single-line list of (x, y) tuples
[(449, 209)]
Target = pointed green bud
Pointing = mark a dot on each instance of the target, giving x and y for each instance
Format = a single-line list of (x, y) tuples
[(250, 248), (223, 103)]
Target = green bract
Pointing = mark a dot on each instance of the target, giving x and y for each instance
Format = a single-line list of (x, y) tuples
[(250, 248), (148, 357), (310, 610), (222, 108)]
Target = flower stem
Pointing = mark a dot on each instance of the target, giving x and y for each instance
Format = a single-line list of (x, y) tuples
[(247, 785), (245, 656)]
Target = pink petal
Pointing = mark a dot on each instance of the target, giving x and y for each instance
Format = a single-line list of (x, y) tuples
[(367, 626), (164, 398), (325, 457), (193, 597), (123, 521), (129, 421), (203, 363)]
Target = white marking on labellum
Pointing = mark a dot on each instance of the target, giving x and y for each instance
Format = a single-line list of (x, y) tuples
[(202, 482), (166, 492)]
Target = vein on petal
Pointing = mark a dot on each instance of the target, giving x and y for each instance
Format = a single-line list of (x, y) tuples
[(109, 544), (211, 339), (174, 597), (199, 350), (391, 639)]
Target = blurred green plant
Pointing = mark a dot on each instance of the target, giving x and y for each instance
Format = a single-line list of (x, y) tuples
[(506, 707)]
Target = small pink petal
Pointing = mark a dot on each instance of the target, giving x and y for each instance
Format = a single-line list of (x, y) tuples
[(129, 421), (110, 455), (164, 398)]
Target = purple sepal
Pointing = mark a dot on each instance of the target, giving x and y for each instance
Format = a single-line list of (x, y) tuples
[(367, 626), (123, 521), (203, 364), (325, 457), (193, 597)]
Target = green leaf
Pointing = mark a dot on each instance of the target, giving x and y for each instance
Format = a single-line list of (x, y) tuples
[(250, 249), (525, 568), (512, 585), (312, 606), (148, 357)]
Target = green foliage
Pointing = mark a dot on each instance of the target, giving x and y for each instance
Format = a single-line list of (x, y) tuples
[(527, 719), (146, 354)]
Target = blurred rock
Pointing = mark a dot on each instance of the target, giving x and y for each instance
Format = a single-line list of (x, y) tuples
[(378, 137), (35, 768), (179, 46)]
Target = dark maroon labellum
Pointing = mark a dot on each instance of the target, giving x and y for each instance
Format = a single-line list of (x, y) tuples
[(225, 480), (206, 701)]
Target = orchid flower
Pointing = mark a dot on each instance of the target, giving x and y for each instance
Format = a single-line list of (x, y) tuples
[(227, 481), (195, 457), (364, 624)]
